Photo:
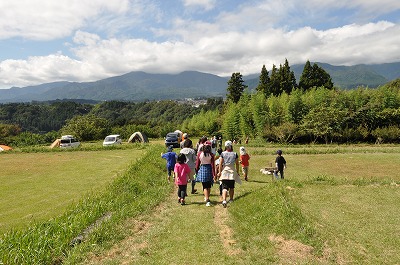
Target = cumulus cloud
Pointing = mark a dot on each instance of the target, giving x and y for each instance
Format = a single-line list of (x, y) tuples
[(251, 34), (48, 19)]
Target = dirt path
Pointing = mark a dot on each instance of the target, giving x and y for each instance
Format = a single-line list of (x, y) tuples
[(155, 236), (146, 227)]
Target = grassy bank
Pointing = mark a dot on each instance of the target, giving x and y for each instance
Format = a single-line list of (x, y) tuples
[(135, 191)]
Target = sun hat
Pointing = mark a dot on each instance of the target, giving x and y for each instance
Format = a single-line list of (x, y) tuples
[(228, 143), (242, 150)]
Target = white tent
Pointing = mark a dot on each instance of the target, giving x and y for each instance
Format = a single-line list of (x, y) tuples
[(138, 137)]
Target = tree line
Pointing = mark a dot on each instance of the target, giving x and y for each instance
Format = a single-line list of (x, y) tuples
[(278, 110)]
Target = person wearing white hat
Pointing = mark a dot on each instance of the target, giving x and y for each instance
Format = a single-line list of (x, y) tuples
[(228, 172), (244, 161)]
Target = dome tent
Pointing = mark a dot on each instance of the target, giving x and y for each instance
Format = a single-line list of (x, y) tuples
[(138, 137)]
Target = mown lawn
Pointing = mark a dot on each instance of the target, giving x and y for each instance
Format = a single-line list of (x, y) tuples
[(38, 186), (337, 205)]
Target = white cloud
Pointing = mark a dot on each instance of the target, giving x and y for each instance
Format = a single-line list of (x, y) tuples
[(242, 40), (48, 19), (206, 4)]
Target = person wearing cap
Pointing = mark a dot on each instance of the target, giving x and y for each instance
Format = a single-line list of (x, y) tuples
[(244, 161), (280, 163), (171, 157), (228, 172)]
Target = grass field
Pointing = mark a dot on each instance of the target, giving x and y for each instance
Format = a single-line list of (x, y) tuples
[(337, 205), (38, 186)]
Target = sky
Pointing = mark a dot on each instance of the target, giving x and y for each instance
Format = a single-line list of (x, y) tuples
[(43, 41)]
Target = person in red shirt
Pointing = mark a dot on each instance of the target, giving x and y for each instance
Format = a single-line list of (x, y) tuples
[(244, 161)]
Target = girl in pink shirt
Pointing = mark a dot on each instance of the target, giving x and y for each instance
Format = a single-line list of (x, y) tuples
[(181, 172)]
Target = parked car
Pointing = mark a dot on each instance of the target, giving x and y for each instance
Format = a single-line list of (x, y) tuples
[(112, 139), (69, 141), (172, 139)]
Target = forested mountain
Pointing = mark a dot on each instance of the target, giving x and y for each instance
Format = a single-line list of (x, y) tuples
[(141, 86), (134, 86)]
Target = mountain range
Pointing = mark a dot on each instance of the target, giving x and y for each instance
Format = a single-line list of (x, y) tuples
[(141, 86)]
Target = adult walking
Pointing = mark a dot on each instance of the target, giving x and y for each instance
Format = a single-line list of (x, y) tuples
[(205, 169), (228, 172)]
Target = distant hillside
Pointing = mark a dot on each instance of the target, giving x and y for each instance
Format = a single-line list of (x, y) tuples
[(141, 86), (134, 86)]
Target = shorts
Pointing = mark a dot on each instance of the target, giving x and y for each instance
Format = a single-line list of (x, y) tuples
[(245, 170), (228, 184), (207, 185), (170, 171)]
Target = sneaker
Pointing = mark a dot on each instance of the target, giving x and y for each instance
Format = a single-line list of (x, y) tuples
[(230, 201), (208, 204), (224, 204), (182, 202)]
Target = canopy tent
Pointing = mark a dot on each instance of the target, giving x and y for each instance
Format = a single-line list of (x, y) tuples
[(4, 147), (138, 137)]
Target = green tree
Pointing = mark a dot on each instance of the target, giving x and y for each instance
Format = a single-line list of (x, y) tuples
[(236, 87), (287, 78), (7, 131), (314, 76), (87, 128), (275, 82), (260, 111), (264, 83), (231, 122), (323, 122), (297, 109)]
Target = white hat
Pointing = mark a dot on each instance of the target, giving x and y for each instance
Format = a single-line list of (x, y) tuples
[(228, 143)]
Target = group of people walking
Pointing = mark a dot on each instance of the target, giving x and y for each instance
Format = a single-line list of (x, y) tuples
[(208, 163)]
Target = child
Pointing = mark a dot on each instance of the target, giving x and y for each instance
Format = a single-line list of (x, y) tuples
[(205, 169), (190, 154), (228, 172), (181, 172), (244, 161), (280, 163), (171, 160)]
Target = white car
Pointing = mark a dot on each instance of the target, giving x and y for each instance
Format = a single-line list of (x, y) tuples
[(69, 141), (112, 139)]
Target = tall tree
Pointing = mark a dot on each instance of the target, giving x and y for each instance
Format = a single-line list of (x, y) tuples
[(236, 87), (275, 81), (264, 82), (287, 78), (314, 76)]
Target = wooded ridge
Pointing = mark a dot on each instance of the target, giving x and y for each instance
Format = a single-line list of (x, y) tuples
[(141, 86)]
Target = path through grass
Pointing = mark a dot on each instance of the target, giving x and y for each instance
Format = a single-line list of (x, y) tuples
[(329, 210)]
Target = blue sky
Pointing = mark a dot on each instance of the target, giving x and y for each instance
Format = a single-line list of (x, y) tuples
[(44, 41)]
